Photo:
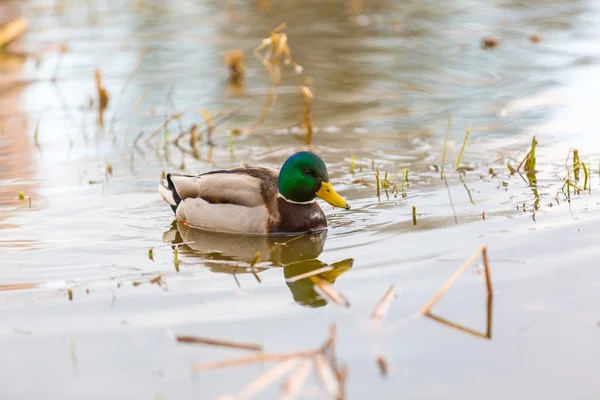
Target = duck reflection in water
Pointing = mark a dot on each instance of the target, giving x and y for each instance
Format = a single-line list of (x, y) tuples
[(235, 254)]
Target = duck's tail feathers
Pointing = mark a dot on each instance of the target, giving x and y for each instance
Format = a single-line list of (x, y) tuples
[(169, 193)]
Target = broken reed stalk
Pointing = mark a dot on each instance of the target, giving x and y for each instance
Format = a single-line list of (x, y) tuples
[(383, 306), (446, 145), (414, 215), (483, 251), (462, 149), (329, 291), (12, 30), (218, 342)]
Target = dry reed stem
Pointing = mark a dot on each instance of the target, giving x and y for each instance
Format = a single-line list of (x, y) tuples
[(330, 291), (218, 342), (263, 381), (13, 30), (383, 306), (292, 386)]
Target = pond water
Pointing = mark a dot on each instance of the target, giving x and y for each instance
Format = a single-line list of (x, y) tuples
[(79, 315)]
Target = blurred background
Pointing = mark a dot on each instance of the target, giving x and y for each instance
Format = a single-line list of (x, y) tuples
[(99, 99)]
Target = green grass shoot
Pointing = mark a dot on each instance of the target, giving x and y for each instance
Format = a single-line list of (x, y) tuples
[(576, 164), (529, 161), (21, 196), (378, 185), (586, 177), (462, 149)]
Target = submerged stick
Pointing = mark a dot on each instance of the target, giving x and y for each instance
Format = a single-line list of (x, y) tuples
[(218, 342)]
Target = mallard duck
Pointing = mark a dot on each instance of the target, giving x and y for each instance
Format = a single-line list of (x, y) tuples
[(255, 200)]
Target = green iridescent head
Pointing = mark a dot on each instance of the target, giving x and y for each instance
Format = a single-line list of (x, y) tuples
[(304, 176)]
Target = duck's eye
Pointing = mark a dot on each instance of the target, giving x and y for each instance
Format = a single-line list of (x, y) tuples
[(307, 171)]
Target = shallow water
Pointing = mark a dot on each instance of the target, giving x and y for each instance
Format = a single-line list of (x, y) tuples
[(383, 91)]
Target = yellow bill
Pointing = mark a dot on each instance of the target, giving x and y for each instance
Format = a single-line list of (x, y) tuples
[(327, 193)]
